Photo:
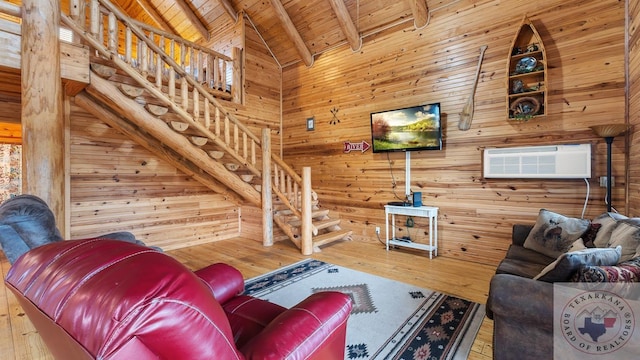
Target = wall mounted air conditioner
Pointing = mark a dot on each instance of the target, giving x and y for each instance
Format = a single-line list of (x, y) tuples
[(538, 162)]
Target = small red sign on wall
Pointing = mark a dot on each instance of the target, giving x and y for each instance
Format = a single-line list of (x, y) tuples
[(360, 146)]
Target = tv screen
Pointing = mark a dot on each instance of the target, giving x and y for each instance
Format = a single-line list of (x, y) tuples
[(407, 129)]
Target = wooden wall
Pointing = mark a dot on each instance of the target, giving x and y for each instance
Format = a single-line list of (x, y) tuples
[(117, 185), (633, 136), (404, 67)]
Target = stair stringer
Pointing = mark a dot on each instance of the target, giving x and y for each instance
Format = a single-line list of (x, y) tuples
[(108, 94)]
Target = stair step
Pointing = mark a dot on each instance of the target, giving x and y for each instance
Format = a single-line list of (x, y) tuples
[(216, 154), (199, 140), (232, 166), (331, 237), (102, 70), (319, 224), (246, 177), (314, 214), (130, 91), (179, 126), (156, 110)]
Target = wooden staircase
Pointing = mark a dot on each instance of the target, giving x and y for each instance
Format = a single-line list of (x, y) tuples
[(173, 110)]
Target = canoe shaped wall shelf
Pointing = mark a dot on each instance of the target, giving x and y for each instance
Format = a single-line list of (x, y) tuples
[(527, 90)]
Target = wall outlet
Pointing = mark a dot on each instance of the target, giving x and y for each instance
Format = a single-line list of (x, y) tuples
[(603, 181), (378, 230)]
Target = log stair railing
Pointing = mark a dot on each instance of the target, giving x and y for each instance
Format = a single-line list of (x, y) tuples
[(147, 86)]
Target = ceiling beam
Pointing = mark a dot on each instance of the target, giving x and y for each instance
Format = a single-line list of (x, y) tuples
[(192, 18), (294, 35), (155, 16), (346, 24), (420, 13), (229, 9)]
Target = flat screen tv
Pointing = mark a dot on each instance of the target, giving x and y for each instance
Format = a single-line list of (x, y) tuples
[(407, 129)]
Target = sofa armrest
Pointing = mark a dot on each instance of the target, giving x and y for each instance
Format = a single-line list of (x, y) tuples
[(313, 329), (521, 299), (224, 280), (522, 313), (519, 233)]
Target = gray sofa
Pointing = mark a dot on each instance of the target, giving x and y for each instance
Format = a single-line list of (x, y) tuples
[(522, 308), (522, 332)]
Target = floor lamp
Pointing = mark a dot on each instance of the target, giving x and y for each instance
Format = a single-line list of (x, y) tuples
[(608, 132)]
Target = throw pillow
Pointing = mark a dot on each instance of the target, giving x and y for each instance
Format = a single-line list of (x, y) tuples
[(608, 222), (627, 235), (554, 233), (628, 271), (590, 236), (567, 264)]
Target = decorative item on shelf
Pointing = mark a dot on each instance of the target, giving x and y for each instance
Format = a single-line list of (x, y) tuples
[(532, 47), (518, 87), (608, 132), (526, 65), (525, 108)]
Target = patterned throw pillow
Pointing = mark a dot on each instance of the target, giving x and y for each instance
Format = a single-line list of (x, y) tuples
[(554, 233), (568, 263), (628, 271), (608, 222)]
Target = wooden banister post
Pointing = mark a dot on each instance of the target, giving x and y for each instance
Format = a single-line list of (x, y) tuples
[(42, 107), (267, 197), (236, 82), (307, 228)]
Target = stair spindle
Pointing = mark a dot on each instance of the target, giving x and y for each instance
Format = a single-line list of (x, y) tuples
[(127, 45), (209, 79), (95, 18), (196, 104), (245, 146), (172, 84), (217, 121), (216, 72), (236, 138), (184, 92), (207, 114)]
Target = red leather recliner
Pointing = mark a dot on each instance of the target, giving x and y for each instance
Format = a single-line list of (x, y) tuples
[(107, 299)]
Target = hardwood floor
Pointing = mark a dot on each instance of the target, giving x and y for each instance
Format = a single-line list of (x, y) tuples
[(19, 340)]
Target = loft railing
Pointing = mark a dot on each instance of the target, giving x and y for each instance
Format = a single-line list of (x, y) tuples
[(217, 72)]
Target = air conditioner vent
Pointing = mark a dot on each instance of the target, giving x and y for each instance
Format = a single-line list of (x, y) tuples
[(539, 162)]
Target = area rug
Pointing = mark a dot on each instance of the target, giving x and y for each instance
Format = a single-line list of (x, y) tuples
[(389, 319)]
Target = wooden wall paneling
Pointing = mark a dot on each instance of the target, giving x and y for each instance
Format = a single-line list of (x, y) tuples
[(408, 67), (117, 185), (633, 196), (10, 133)]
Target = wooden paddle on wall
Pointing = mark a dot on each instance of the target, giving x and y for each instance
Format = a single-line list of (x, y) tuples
[(467, 111)]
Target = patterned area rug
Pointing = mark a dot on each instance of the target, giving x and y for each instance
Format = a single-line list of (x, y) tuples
[(389, 320)]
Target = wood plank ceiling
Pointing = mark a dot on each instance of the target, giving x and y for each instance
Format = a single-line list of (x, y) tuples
[(294, 30)]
